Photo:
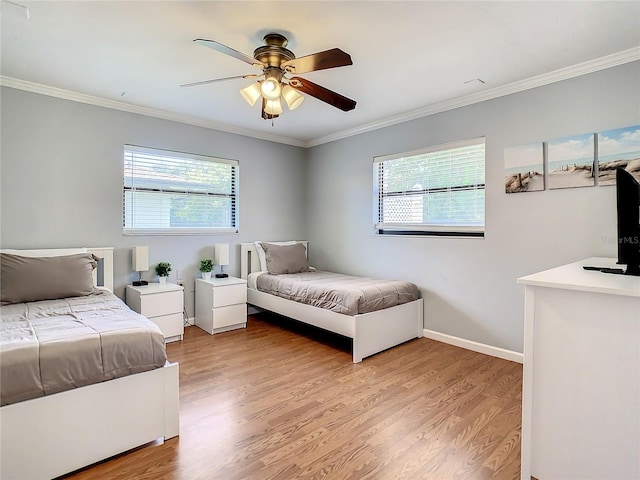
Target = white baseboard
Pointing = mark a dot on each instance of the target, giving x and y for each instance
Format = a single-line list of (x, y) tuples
[(475, 346), (444, 338)]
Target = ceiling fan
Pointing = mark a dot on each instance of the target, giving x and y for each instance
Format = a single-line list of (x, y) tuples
[(276, 62)]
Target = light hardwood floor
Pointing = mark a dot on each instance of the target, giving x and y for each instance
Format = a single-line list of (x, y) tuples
[(281, 401)]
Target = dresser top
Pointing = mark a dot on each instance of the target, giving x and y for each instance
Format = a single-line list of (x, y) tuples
[(574, 277)]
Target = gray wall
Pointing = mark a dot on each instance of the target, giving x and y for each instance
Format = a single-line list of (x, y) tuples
[(61, 183), (469, 285)]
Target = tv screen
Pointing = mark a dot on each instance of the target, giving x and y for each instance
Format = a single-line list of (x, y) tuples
[(628, 203)]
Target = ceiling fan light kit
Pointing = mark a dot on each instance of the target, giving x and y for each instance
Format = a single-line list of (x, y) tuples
[(276, 61)]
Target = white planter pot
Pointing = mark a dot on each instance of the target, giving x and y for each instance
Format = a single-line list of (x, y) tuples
[(206, 275), (162, 279)]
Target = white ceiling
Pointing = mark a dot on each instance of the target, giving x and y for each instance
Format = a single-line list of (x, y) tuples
[(408, 55)]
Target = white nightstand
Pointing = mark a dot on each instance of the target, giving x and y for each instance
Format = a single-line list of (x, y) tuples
[(162, 304), (221, 304)]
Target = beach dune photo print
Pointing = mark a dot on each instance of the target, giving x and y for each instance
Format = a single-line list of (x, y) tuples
[(570, 161), (619, 148), (524, 168)]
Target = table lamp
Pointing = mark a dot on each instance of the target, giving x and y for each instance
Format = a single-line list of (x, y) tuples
[(221, 252), (140, 262)]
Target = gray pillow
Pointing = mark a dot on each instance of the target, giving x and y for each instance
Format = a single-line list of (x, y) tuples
[(285, 258), (30, 279)]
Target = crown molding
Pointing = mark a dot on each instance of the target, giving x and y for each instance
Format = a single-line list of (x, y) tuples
[(140, 110), (591, 66)]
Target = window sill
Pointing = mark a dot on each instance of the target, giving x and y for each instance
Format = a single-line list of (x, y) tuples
[(178, 231), (427, 233)]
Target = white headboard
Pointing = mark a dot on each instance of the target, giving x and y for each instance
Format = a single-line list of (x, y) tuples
[(249, 261), (104, 253)]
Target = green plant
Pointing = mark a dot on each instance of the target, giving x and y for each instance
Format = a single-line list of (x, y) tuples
[(206, 265), (163, 269)]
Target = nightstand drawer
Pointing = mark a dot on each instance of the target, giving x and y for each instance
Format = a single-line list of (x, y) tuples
[(220, 319), (231, 315), (229, 295), (171, 325), (161, 304)]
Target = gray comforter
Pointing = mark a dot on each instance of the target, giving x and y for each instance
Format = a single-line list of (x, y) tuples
[(55, 345), (340, 293)]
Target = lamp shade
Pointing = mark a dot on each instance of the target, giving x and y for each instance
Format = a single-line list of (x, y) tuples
[(251, 93), (273, 107), (292, 97), (140, 259), (221, 252)]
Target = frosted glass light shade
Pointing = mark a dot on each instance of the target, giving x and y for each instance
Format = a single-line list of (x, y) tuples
[(251, 93), (273, 107), (270, 88), (221, 253), (140, 259), (292, 97)]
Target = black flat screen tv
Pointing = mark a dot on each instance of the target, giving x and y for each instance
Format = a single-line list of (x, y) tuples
[(628, 202)]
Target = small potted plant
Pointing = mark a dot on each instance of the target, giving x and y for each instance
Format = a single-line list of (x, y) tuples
[(206, 266), (162, 270)]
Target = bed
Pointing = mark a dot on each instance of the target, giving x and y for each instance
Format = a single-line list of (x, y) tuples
[(372, 332), (62, 422)]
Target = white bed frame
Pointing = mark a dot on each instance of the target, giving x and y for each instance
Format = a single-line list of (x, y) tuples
[(56, 434), (371, 332)]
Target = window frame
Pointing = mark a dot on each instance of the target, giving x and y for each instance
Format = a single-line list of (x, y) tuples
[(425, 229), (168, 231)]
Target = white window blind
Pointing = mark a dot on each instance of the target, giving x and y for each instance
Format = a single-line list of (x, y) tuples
[(178, 193), (434, 191)]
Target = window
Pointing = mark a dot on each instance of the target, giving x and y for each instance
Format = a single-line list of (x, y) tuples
[(178, 193), (434, 191)]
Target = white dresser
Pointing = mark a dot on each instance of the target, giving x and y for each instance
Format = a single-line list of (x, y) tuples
[(163, 304), (581, 376), (221, 304)]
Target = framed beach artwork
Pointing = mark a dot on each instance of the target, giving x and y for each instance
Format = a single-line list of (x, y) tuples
[(570, 162), (618, 148), (524, 168)]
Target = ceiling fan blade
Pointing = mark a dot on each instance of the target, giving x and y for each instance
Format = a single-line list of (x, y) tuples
[(219, 47), (204, 82), (332, 98), (318, 61)]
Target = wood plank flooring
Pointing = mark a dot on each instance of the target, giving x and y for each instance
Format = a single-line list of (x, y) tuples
[(279, 400)]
